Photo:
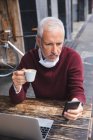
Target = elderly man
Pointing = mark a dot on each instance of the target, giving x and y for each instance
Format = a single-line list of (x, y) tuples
[(59, 69)]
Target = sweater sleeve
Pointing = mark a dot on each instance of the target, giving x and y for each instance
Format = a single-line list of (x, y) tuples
[(76, 78), (17, 98)]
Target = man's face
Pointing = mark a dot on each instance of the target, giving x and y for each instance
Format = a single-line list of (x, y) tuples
[(51, 44)]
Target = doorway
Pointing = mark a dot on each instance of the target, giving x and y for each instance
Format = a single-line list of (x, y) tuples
[(29, 22)]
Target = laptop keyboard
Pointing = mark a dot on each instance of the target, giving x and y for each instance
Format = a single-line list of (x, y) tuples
[(44, 131)]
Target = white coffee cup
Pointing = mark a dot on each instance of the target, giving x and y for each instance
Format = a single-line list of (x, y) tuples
[(30, 74)]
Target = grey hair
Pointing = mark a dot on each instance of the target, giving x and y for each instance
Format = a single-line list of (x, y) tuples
[(50, 23)]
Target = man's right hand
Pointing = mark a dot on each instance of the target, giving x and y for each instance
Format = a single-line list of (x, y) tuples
[(18, 79)]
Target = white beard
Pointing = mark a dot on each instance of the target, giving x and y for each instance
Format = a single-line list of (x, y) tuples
[(46, 63)]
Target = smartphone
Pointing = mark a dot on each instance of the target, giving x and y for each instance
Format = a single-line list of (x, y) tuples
[(70, 105)]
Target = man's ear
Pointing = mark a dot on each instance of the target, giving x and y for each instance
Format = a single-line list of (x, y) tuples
[(38, 41)]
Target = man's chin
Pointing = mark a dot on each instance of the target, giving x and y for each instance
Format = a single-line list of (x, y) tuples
[(52, 59)]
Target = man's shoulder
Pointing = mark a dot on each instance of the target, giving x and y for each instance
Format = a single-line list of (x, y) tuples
[(69, 54), (69, 51), (31, 52), (71, 58)]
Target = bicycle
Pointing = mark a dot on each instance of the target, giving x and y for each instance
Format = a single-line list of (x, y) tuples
[(9, 59)]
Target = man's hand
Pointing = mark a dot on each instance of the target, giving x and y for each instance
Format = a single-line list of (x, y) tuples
[(18, 79), (73, 114)]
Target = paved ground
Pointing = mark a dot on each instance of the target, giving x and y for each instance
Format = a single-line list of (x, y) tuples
[(83, 43)]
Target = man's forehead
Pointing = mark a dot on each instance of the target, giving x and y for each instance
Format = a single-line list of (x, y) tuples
[(56, 33), (51, 27), (57, 40)]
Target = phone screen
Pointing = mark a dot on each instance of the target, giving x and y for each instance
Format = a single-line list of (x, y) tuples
[(70, 105)]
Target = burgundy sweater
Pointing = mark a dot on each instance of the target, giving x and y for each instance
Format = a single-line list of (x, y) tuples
[(61, 82)]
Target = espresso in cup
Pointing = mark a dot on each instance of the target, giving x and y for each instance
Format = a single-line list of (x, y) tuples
[(30, 74)]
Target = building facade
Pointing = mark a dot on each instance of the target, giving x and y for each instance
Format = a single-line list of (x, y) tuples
[(69, 11), (24, 15)]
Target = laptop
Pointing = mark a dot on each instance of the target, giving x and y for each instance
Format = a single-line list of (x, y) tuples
[(24, 127)]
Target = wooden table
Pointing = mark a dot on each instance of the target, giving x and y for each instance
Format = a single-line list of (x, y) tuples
[(61, 129)]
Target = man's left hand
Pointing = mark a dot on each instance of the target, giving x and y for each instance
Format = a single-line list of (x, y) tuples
[(73, 114)]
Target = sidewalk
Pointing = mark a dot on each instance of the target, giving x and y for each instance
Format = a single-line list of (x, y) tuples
[(83, 44)]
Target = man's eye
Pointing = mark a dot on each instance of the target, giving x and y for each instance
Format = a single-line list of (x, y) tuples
[(48, 44), (58, 44)]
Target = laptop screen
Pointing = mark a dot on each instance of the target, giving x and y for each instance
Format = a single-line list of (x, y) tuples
[(24, 127)]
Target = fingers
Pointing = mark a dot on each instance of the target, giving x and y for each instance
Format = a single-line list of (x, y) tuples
[(76, 111), (18, 77), (74, 114)]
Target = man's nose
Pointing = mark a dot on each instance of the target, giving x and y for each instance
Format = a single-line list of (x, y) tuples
[(54, 49)]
